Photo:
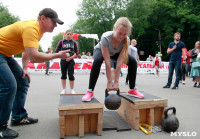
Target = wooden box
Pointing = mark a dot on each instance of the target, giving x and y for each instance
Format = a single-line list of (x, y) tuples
[(77, 117), (148, 110)]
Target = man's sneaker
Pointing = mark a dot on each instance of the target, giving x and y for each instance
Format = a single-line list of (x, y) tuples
[(63, 92), (174, 87), (88, 96), (7, 132), (72, 91), (135, 93), (183, 82), (166, 86), (24, 121)]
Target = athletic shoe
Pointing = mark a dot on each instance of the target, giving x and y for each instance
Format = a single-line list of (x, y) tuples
[(24, 121), (135, 93), (7, 132), (183, 82), (174, 87), (63, 92), (166, 86), (73, 92), (195, 84), (88, 96)]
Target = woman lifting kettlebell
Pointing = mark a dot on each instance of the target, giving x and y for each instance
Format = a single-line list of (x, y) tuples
[(114, 45)]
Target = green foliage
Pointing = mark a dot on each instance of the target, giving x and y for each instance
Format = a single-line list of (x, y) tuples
[(55, 41), (86, 44), (5, 17), (154, 21)]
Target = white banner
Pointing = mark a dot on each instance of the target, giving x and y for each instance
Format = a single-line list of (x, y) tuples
[(85, 65)]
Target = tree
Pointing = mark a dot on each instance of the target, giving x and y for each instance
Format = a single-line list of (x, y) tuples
[(5, 17), (55, 41), (154, 21)]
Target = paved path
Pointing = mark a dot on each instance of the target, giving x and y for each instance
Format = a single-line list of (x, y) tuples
[(43, 98)]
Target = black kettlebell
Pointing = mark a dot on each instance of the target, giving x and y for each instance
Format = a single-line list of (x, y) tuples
[(170, 122), (112, 101)]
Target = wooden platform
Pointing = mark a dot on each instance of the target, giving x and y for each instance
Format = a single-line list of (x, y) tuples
[(148, 110), (77, 117)]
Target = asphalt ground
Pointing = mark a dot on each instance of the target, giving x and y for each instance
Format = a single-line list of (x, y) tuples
[(43, 100)]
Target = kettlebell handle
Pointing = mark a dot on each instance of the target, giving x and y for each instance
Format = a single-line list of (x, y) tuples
[(106, 92), (170, 108)]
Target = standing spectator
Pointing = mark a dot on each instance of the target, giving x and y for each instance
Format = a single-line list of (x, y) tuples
[(157, 64), (183, 67), (189, 63), (89, 56), (49, 51), (113, 45), (150, 58), (67, 65), (132, 50), (175, 48), (195, 69), (21, 37), (79, 56), (83, 56)]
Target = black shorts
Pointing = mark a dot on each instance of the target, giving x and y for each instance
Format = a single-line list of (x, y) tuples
[(67, 67)]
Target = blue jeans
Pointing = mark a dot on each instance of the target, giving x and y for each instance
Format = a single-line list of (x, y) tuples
[(177, 66), (13, 90)]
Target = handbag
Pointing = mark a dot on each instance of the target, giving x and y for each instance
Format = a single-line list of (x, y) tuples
[(198, 56), (196, 64)]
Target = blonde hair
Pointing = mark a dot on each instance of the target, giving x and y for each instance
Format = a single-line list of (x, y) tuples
[(124, 21), (177, 33)]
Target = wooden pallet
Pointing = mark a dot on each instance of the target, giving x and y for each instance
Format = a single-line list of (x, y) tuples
[(77, 117), (148, 110)]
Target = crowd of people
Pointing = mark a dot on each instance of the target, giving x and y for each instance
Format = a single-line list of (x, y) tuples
[(114, 48)]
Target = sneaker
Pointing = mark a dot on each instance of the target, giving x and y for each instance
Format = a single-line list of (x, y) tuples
[(63, 92), (72, 91), (7, 132), (195, 84), (166, 86), (174, 87), (88, 96), (24, 121), (135, 93), (183, 82)]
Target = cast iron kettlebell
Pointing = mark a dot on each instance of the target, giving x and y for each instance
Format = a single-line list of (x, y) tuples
[(112, 101), (170, 122)]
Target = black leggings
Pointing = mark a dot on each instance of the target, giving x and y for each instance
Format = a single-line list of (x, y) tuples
[(67, 66), (98, 60)]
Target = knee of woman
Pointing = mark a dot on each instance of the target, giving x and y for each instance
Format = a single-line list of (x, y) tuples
[(97, 62), (71, 78), (63, 77)]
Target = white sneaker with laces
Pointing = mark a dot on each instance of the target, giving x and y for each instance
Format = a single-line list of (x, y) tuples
[(63, 92), (183, 82), (73, 92)]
